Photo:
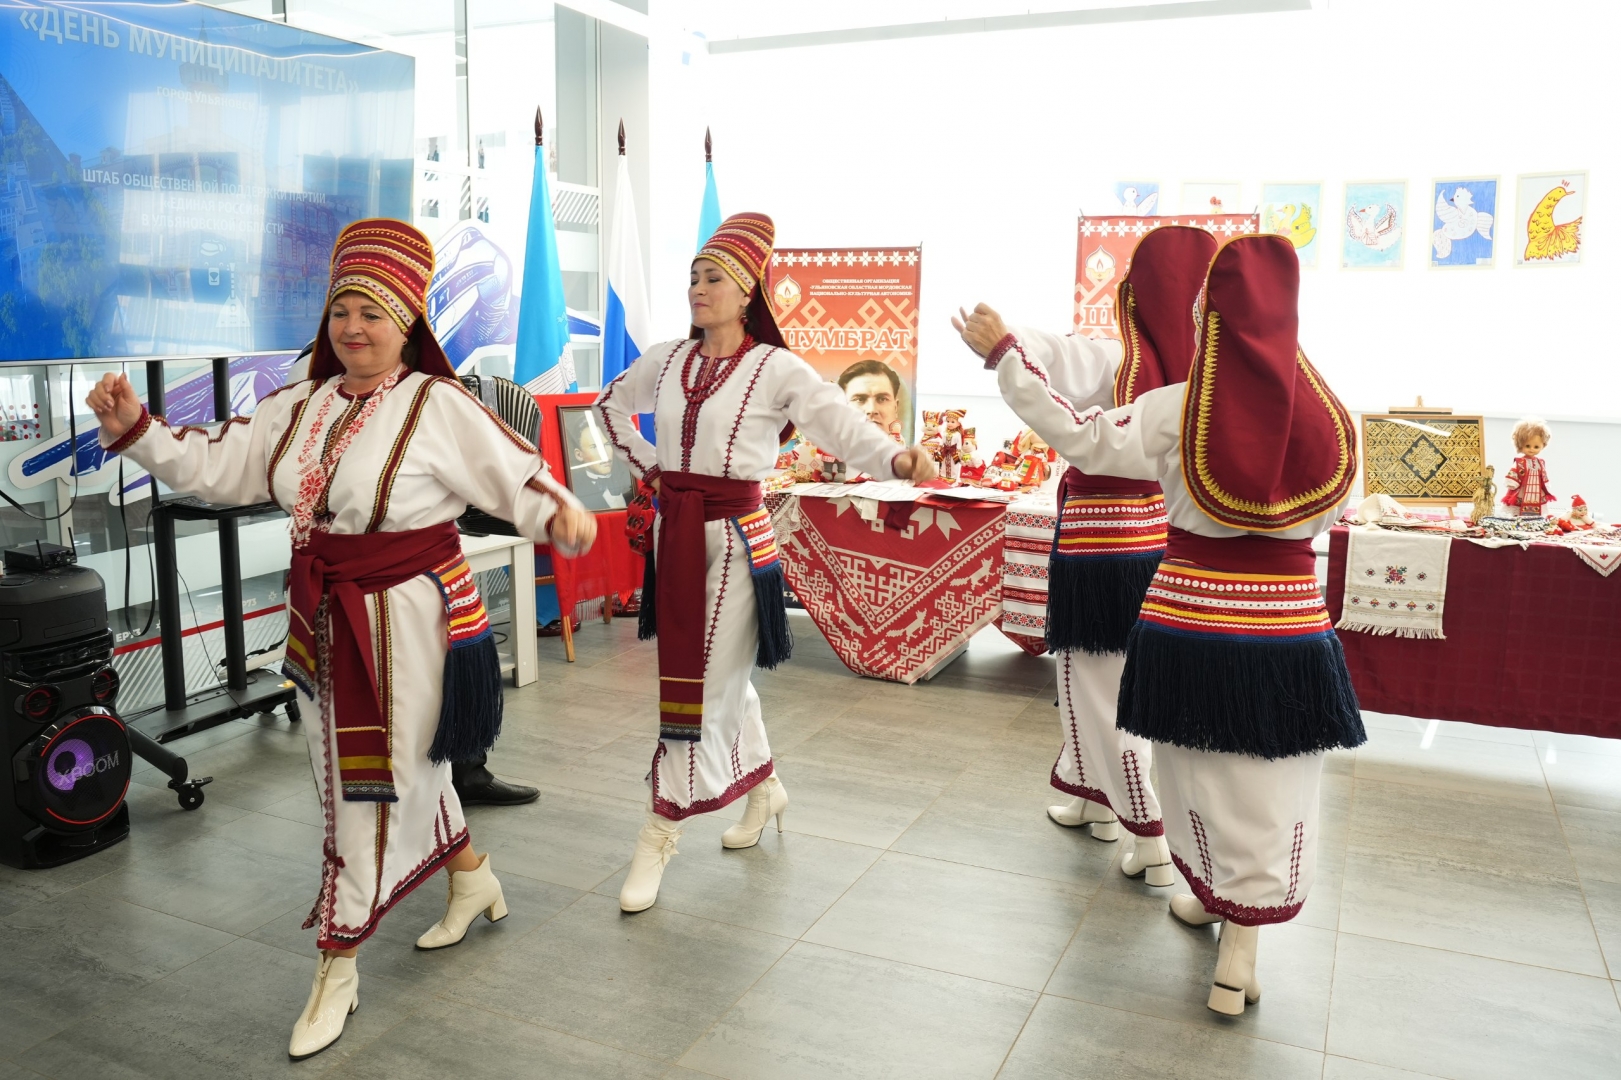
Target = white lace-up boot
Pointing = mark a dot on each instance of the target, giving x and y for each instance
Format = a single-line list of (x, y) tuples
[(766, 800), (654, 847)]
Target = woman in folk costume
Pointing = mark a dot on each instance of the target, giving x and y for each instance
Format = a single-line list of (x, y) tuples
[(1110, 537), (373, 458), (721, 400), (1232, 667)]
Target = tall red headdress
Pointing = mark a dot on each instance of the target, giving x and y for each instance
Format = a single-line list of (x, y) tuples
[(391, 263), (742, 247), (1265, 443), (1155, 309)]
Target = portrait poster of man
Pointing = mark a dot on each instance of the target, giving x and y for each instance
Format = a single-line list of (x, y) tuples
[(597, 477), (852, 313)]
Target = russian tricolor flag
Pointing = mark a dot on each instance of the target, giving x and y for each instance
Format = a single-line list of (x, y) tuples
[(627, 319)]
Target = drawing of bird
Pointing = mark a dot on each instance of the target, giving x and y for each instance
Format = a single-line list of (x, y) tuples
[(1278, 218), (1545, 240), (1129, 201), (1458, 218), (1374, 225)]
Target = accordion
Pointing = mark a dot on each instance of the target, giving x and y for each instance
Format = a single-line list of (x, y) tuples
[(516, 407)]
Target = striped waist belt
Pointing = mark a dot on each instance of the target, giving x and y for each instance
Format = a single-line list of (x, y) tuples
[(1110, 526), (1214, 604)]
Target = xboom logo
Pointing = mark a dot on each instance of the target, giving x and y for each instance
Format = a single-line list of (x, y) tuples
[(73, 761)]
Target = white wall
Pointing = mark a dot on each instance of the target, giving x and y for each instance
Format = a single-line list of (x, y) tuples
[(983, 147)]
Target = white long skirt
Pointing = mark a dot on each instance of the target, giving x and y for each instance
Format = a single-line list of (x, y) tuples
[(388, 849), (1242, 830), (1098, 761), (733, 755)]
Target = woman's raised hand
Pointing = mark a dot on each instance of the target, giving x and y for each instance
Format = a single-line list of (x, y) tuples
[(981, 329), (116, 407), (915, 465)]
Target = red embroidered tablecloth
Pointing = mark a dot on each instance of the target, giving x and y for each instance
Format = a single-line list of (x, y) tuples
[(893, 602), (1533, 640), (1030, 524)]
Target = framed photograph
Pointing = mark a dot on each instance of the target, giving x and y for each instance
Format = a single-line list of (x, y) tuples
[(1463, 227), (1548, 213), (1136, 198), (1375, 225), (597, 477), (1295, 211), (1212, 197)]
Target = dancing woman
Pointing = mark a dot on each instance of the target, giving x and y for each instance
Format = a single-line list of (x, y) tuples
[(373, 458), (720, 401), (1110, 538), (1233, 667)]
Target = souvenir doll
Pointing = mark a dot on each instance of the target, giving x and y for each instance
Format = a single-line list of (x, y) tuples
[(1527, 479), (1485, 496), (931, 434), (1580, 518), (951, 443)]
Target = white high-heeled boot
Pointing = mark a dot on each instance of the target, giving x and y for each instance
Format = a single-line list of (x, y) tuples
[(654, 847), (1235, 981), (766, 800), (471, 891), (334, 996), (1149, 856), (1079, 811), (1187, 908)]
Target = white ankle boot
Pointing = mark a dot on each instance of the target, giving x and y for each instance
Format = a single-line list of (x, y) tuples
[(1235, 982), (1149, 856), (334, 996), (1188, 909), (654, 846), (766, 800), (471, 891), (1079, 811)]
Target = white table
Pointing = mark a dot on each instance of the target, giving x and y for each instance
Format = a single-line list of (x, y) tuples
[(517, 555)]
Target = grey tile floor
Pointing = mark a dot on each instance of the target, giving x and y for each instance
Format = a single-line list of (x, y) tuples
[(919, 918)]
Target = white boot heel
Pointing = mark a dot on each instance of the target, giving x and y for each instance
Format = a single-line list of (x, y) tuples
[(1149, 856), (334, 995), (766, 800), (1079, 811), (1187, 909), (655, 845), (1235, 982), (471, 892)]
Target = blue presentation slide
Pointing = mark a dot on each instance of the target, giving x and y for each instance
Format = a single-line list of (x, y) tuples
[(173, 176)]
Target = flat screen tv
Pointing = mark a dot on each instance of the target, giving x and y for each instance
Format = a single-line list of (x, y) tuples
[(172, 176)]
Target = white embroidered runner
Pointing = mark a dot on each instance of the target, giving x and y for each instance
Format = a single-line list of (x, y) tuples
[(1601, 557), (1395, 583)]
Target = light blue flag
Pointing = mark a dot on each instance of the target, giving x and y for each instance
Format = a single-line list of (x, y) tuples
[(544, 363), (709, 215)]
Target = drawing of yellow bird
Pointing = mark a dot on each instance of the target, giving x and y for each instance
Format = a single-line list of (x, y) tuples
[(1544, 239), (1297, 227)]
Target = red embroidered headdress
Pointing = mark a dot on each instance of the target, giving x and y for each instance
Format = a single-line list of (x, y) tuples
[(1155, 308), (742, 247), (392, 264), (1265, 443)]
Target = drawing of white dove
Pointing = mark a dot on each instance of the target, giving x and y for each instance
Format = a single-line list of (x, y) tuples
[(1459, 218), (1374, 225), (1130, 205)]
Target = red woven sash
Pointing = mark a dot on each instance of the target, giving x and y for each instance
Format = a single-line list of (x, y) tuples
[(686, 501), (343, 570)]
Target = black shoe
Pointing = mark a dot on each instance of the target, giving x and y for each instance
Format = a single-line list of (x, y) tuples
[(479, 787)]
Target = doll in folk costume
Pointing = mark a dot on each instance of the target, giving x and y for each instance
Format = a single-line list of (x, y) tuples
[(931, 441), (1527, 479), (951, 443)]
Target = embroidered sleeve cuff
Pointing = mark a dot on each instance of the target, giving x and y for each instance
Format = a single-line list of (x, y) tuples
[(994, 357), (133, 435), (652, 474)]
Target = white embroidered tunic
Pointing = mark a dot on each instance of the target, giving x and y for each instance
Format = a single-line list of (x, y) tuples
[(733, 434), (426, 452)]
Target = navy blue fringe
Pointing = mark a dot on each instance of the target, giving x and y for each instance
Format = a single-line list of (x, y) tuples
[(776, 640), (647, 621), (1266, 699), (1092, 601), (470, 710)]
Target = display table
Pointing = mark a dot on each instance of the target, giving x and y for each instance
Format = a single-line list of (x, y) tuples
[(1030, 525), (896, 597), (516, 555), (1533, 640)]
